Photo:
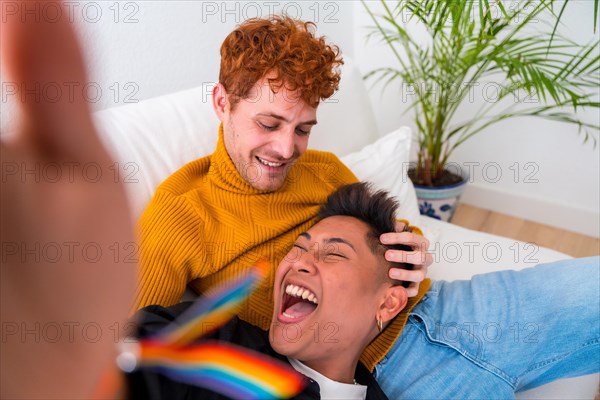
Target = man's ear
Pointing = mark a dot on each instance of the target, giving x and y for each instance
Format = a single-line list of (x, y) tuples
[(220, 101), (394, 301)]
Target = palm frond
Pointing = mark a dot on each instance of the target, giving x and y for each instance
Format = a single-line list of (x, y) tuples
[(466, 47)]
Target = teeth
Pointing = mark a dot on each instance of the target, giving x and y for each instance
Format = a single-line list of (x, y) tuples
[(300, 292), (270, 164)]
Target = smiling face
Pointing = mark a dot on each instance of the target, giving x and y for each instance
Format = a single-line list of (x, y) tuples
[(265, 133), (328, 291)]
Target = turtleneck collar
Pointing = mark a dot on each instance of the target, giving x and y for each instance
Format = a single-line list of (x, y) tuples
[(224, 174)]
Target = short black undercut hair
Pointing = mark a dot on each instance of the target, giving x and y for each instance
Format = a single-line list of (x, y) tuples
[(377, 209)]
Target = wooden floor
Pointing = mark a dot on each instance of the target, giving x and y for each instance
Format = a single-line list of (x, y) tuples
[(571, 243)]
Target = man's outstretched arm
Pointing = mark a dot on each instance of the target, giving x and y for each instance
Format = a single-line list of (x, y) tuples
[(64, 296)]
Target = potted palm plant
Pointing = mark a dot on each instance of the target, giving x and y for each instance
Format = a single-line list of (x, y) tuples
[(473, 41)]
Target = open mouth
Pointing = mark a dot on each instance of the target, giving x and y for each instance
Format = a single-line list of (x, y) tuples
[(297, 303), (270, 164)]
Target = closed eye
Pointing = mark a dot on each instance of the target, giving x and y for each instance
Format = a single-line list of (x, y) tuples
[(297, 246), (302, 132), (332, 257), (332, 250), (269, 128)]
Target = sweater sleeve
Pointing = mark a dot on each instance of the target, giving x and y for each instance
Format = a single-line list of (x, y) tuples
[(170, 244)]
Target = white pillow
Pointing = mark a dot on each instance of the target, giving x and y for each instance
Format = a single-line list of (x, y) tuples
[(384, 163), (154, 138)]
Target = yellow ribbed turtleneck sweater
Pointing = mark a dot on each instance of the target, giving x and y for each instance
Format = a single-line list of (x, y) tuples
[(205, 224)]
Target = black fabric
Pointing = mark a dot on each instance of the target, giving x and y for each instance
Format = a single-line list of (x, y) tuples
[(149, 385)]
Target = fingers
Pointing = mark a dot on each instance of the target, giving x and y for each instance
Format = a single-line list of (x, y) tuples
[(415, 276), (419, 244), (71, 211), (419, 257), (414, 257), (412, 290), (400, 226), (41, 53), (407, 238)]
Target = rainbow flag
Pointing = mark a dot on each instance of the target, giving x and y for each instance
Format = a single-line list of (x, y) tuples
[(215, 309), (223, 368)]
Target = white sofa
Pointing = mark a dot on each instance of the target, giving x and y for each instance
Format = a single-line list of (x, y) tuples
[(153, 138)]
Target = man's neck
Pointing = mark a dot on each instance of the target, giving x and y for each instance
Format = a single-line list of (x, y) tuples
[(336, 371), (329, 388)]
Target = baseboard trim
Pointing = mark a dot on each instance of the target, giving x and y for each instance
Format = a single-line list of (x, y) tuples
[(564, 216)]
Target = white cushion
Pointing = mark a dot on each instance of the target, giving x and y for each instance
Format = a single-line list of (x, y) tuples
[(153, 138), (460, 253), (381, 163)]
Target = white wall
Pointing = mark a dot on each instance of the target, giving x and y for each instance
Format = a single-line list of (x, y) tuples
[(140, 49), (529, 168)]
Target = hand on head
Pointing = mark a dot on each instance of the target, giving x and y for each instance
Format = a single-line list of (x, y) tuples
[(61, 221), (419, 257)]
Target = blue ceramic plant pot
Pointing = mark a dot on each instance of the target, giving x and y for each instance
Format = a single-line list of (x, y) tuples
[(441, 202)]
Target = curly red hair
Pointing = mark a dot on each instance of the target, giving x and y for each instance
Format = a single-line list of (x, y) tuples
[(285, 47)]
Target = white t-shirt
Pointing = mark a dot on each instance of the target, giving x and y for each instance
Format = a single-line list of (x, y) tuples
[(331, 389)]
